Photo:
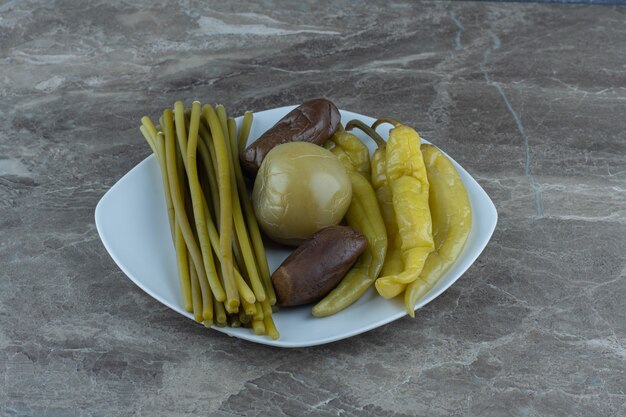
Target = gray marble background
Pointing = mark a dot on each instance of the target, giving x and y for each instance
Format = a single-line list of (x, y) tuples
[(529, 98)]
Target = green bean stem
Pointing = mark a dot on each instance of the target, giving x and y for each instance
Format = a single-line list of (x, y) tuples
[(207, 301), (244, 290), (249, 308), (208, 142), (179, 244), (270, 327), (147, 123), (160, 146), (217, 142), (150, 139), (240, 226), (267, 308), (202, 283), (198, 202), (149, 132), (209, 172), (226, 202), (253, 226), (207, 306), (244, 318), (208, 309), (177, 199), (220, 313), (181, 131), (242, 286), (259, 311), (196, 294), (182, 260), (246, 124), (223, 118), (258, 327)]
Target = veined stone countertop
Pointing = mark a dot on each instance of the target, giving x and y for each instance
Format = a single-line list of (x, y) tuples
[(529, 98)]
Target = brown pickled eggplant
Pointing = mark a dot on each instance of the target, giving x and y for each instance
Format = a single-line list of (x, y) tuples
[(313, 121), (318, 265)]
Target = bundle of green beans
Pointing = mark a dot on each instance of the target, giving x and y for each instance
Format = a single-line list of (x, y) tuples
[(222, 268)]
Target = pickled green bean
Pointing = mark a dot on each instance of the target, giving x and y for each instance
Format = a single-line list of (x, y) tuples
[(267, 308), (209, 172), (258, 326), (246, 124), (270, 327), (160, 146), (196, 294), (149, 139), (209, 236), (182, 260), (177, 200), (244, 290), (222, 116), (226, 203), (258, 315), (179, 244), (244, 318), (220, 313), (150, 133), (240, 226), (249, 308), (252, 224), (181, 131), (198, 203)]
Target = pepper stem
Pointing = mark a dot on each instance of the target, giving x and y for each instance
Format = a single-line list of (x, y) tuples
[(389, 120), (368, 131)]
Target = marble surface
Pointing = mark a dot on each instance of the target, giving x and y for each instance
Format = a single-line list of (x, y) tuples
[(529, 98)]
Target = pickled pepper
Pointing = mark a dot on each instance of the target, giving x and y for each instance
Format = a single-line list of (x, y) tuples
[(406, 175), (350, 151), (452, 219), (363, 215), (393, 260)]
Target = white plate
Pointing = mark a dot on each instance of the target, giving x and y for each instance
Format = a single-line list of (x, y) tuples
[(132, 222)]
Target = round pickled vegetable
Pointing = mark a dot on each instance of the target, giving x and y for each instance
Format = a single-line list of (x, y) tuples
[(300, 188)]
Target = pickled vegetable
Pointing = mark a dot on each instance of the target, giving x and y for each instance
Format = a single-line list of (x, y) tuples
[(317, 266), (300, 189), (313, 121)]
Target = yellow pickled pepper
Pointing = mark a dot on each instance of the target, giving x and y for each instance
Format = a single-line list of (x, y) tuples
[(352, 153), (406, 175), (452, 220), (363, 215), (393, 261)]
